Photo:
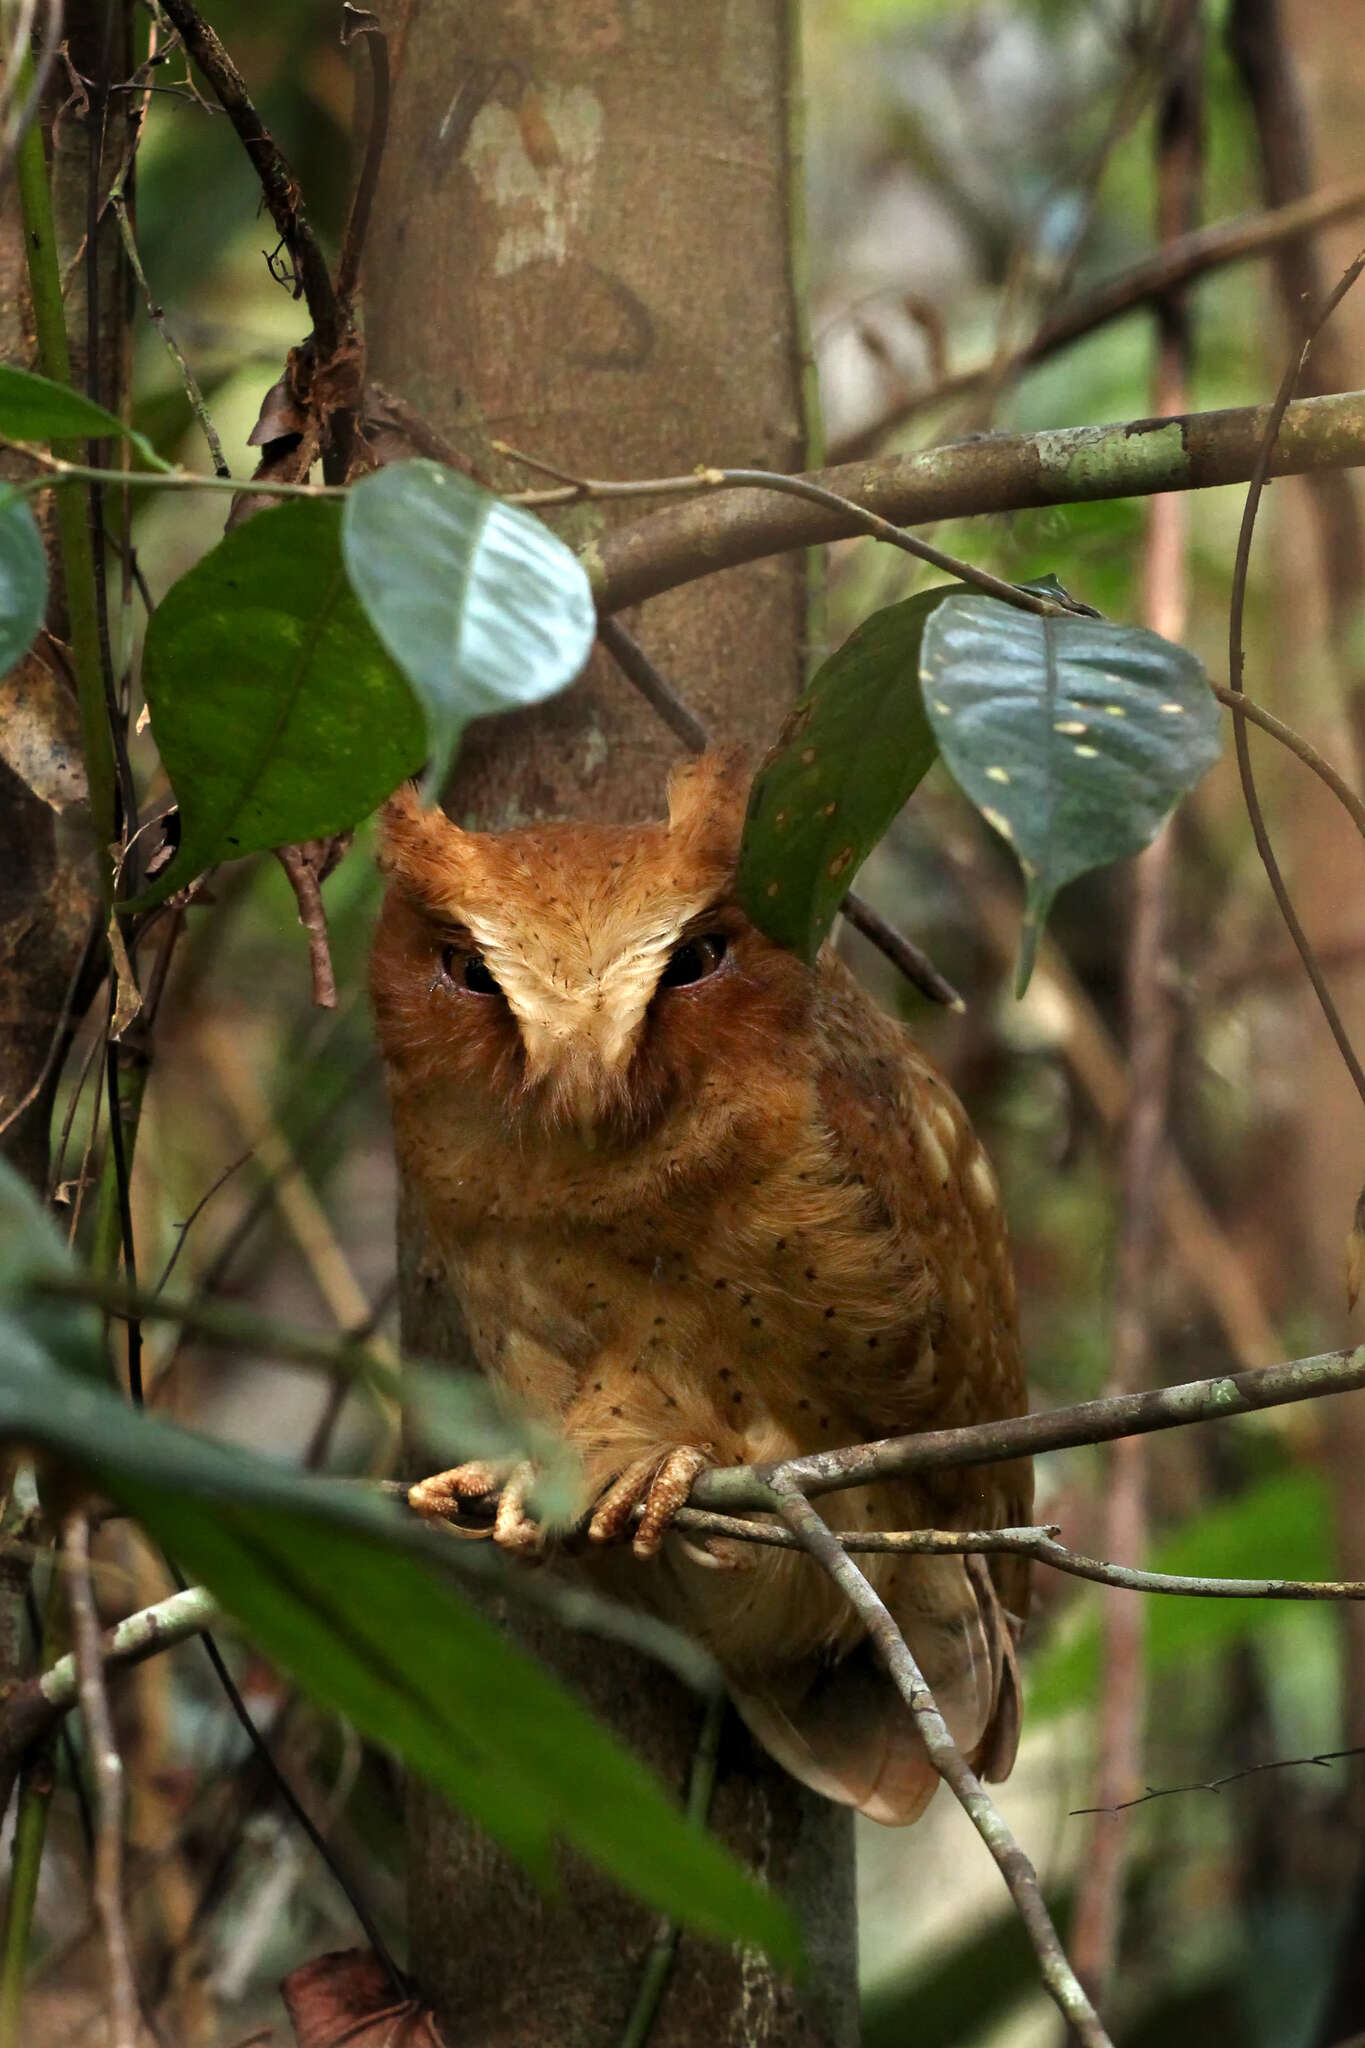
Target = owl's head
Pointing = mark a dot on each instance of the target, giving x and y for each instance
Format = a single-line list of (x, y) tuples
[(583, 979)]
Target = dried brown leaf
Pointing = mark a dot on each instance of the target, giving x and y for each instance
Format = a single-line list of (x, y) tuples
[(345, 1999)]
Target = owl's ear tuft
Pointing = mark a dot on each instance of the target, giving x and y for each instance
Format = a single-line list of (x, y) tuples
[(707, 798), (418, 846)]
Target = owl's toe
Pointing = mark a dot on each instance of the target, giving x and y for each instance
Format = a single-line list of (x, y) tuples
[(447, 1494), (513, 1528), (612, 1516), (671, 1485), (661, 1484)]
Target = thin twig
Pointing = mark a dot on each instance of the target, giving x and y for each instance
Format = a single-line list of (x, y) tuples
[(358, 25), (297, 1810), (636, 666), (31, 1710), (1257, 44), (278, 185), (60, 1040), (915, 965), (107, 1767), (663, 1949), (896, 536), (1192, 256), (183, 1229), (1283, 1763), (120, 1154), (1038, 1543), (683, 722), (1302, 748), (1014, 1866), (709, 477), (303, 880), (223, 1322), (1236, 664), (156, 314)]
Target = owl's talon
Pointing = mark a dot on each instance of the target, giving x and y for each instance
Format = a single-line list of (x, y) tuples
[(445, 1495), (513, 1528), (662, 1484)]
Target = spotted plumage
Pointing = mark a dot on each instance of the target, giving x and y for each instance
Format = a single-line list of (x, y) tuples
[(702, 1204)]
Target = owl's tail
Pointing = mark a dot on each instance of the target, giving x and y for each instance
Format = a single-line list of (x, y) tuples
[(843, 1729)]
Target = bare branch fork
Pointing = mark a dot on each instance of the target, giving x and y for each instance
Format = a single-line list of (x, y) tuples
[(947, 1759)]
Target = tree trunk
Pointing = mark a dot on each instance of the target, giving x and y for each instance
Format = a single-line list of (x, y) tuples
[(583, 245)]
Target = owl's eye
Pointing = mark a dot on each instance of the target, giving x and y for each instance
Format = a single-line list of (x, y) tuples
[(693, 960), (468, 970)]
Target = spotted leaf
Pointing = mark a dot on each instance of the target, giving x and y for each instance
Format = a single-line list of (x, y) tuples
[(1074, 737)]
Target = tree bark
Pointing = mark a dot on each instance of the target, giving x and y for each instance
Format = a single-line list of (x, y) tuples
[(583, 245)]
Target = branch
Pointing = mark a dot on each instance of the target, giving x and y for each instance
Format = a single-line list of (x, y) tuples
[(1280, 1763), (305, 873), (1155, 277), (32, 1709), (1025, 1436), (107, 1768), (1015, 1867), (278, 187), (1038, 1543), (995, 473), (1264, 466), (683, 722)]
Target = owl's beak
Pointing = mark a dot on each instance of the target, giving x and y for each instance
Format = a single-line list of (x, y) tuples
[(573, 1069)]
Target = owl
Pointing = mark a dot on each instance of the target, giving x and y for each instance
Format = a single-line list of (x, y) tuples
[(702, 1204)]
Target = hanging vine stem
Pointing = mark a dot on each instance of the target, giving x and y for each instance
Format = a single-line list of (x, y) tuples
[(1236, 667)]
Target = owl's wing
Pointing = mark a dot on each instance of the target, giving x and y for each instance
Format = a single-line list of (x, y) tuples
[(895, 1127), (842, 1729)]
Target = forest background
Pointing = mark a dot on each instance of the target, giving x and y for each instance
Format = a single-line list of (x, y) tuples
[(971, 169)]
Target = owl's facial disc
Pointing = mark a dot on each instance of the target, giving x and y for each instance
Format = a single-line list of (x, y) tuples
[(583, 1010)]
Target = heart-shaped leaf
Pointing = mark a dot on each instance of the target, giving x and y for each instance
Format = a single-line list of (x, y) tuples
[(481, 606), (33, 408), (23, 579), (1075, 738), (278, 714), (853, 750)]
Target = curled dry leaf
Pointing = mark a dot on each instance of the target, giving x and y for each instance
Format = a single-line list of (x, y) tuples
[(347, 1997)]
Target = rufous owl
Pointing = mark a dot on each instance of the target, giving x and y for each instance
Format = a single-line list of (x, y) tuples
[(703, 1204)]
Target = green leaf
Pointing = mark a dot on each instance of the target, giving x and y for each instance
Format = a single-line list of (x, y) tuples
[(481, 606), (353, 1598), (1280, 1528), (33, 408), (1075, 738), (23, 579), (855, 747), (278, 715)]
